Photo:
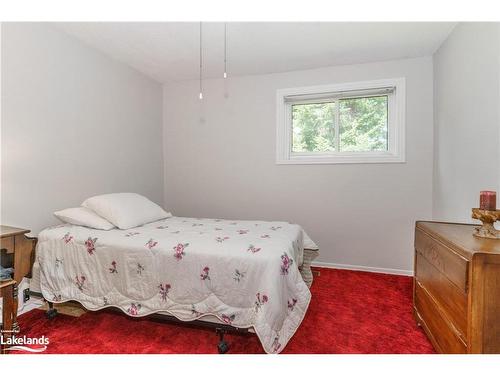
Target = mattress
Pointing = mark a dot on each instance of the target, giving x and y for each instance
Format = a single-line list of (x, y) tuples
[(243, 273)]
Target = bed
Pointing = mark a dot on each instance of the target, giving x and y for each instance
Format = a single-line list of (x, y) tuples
[(243, 274)]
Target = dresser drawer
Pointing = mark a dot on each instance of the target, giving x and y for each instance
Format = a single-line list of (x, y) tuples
[(452, 265), (7, 243), (452, 300), (441, 331)]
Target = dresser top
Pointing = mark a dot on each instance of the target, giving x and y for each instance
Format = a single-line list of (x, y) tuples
[(460, 237), (6, 231)]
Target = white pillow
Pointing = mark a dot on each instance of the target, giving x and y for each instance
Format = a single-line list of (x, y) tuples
[(83, 216), (125, 210)]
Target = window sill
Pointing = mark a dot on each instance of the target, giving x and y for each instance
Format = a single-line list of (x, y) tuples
[(343, 159)]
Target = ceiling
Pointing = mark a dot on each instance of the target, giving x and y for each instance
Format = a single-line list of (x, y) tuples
[(169, 51)]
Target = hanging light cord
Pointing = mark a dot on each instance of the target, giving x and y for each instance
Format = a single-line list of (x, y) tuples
[(225, 49), (201, 63)]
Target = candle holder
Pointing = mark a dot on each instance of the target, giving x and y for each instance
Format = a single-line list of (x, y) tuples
[(488, 218)]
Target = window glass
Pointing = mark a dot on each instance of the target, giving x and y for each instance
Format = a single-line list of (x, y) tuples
[(363, 124), (313, 127)]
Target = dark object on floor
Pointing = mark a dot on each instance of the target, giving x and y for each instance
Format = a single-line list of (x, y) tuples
[(350, 312)]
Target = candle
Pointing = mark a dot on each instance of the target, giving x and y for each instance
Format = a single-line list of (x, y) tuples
[(488, 200)]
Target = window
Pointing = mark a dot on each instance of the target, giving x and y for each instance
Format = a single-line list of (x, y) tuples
[(360, 122)]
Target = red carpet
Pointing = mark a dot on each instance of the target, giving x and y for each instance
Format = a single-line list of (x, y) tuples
[(350, 312)]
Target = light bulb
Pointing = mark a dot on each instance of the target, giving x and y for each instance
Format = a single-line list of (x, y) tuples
[(225, 75), (201, 95)]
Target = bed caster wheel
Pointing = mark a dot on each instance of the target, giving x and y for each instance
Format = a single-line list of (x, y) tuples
[(51, 314), (222, 347)]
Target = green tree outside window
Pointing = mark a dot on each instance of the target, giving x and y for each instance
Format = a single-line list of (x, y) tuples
[(362, 125)]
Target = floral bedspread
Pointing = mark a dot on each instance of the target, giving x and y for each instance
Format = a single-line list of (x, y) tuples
[(243, 272)]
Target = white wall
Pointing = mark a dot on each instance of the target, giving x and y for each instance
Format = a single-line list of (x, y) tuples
[(467, 119), (74, 123), (220, 162)]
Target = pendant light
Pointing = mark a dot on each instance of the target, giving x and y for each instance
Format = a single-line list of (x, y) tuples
[(225, 49), (201, 63)]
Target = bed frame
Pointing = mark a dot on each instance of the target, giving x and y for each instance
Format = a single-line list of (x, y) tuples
[(220, 328)]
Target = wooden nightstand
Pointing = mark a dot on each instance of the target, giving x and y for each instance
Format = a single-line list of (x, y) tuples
[(8, 292), (16, 250), (14, 244)]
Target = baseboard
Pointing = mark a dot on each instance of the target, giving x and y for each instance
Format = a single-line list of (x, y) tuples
[(390, 271)]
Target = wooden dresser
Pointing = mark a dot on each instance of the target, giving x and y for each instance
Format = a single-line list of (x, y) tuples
[(457, 288)]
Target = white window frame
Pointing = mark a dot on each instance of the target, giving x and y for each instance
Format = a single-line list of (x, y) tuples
[(395, 123)]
